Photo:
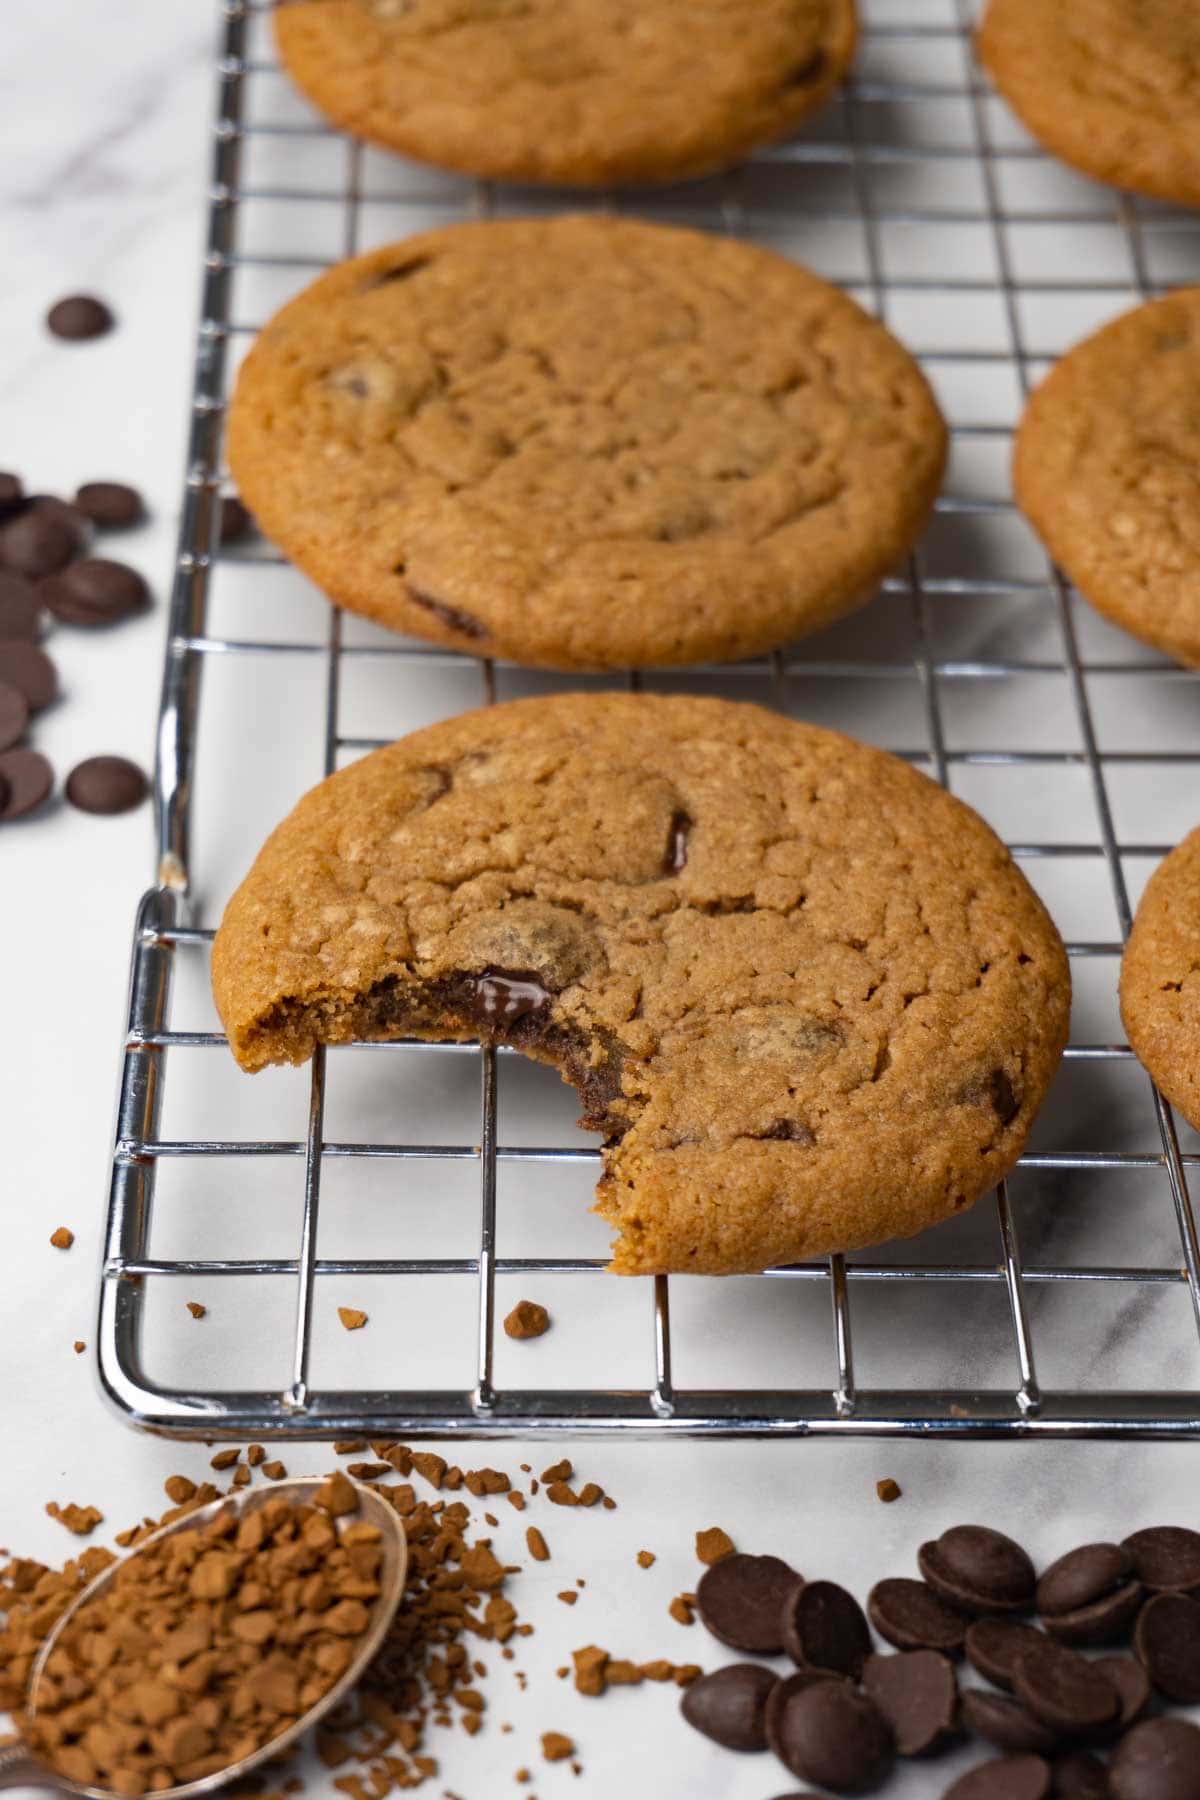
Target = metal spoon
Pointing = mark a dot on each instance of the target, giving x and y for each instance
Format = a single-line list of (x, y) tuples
[(19, 1767)]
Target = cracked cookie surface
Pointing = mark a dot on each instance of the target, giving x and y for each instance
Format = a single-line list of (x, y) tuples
[(1160, 979), (585, 442), (1111, 86), (582, 92), (805, 995), (1107, 470)]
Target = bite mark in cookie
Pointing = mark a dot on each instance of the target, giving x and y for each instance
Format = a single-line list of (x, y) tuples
[(783, 1037)]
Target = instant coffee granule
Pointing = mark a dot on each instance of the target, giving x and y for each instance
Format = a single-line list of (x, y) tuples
[(713, 1544), (424, 1676), (207, 1646)]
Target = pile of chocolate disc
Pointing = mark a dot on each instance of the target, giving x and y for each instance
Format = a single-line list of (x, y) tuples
[(1064, 1723)]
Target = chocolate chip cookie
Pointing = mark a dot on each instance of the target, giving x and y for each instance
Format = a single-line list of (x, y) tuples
[(804, 994), (1160, 979), (584, 92), (586, 442), (1111, 86), (1107, 469)]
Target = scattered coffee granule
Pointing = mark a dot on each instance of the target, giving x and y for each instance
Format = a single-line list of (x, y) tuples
[(178, 1488), (214, 1660), (522, 1775), (589, 1493), (349, 1446), (241, 1476), (620, 1672), (62, 1238), (80, 1519), (591, 1664), (556, 1746), (713, 1544), (888, 1490), (492, 1520), (274, 1471), (568, 1596), (254, 1454), (660, 1670), (646, 1559), (559, 1494), (225, 1459), (197, 1311), (527, 1320), (559, 1471), (79, 1346), (608, 1503), (516, 1499), (536, 1545), (453, 1478), (430, 1467), (681, 1611), (352, 1318), (686, 1673), (486, 1481), (364, 1471)]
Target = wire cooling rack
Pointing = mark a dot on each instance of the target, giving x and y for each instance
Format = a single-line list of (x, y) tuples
[(1068, 1304)]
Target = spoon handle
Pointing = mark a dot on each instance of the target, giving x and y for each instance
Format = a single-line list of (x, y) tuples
[(20, 1768)]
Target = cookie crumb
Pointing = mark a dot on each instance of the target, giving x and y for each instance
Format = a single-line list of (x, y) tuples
[(62, 1238), (556, 1746), (714, 1544), (352, 1318), (888, 1490), (79, 1346), (646, 1559), (197, 1311), (536, 1545), (680, 1610), (527, 1320)]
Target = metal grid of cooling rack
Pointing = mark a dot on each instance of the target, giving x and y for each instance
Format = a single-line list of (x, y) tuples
[(858, 139)]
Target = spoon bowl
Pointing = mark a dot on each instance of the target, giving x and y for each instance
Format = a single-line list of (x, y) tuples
[(19, 1767)]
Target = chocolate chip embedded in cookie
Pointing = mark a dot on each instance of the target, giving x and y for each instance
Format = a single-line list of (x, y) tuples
[(831, 1025), (1105, 470), (584, 92), (1160, 1007), (586, 443), (1108, 85)]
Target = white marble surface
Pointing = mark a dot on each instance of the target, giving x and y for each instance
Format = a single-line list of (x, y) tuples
[(102, 188)]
